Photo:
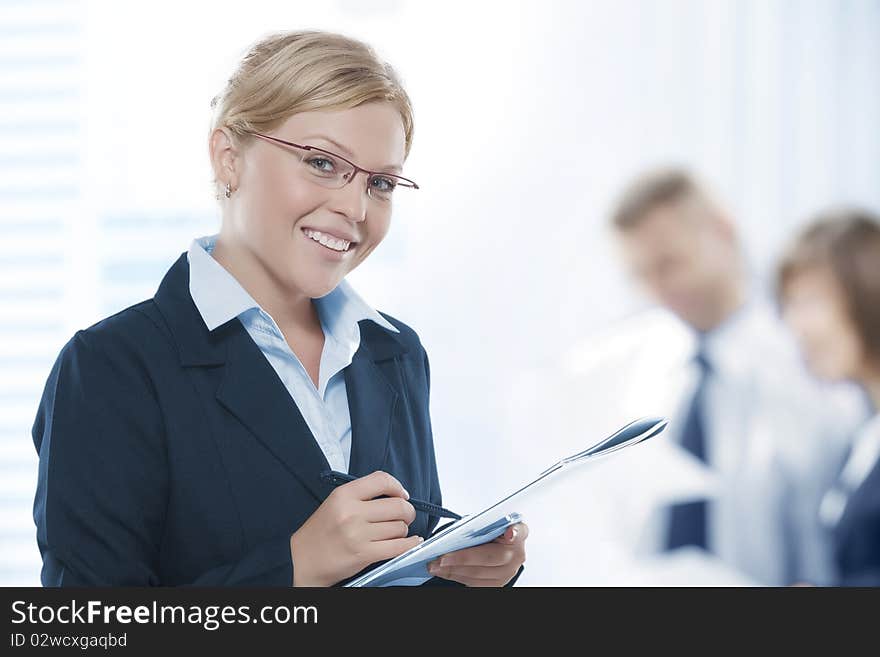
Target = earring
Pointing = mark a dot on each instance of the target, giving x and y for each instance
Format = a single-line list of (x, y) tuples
[(228, 190)]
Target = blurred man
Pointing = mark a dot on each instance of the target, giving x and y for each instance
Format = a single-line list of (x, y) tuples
[(749, 413)]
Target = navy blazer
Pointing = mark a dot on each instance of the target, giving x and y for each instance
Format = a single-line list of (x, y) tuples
[(856, 537), (171, 455)]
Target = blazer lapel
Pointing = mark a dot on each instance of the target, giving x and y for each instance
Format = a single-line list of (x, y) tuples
[(371, 404), (855, 505), (253, 392), (250, 388)]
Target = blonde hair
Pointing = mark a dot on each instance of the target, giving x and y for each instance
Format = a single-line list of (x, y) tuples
[(291, 72)]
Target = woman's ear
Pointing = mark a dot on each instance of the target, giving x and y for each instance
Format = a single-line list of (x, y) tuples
[(224, 157)]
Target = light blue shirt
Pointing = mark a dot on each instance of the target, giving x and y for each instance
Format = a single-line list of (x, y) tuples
[(219, 297)]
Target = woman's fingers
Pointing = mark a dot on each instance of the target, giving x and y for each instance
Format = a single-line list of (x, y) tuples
[(503, 550), (490, 575), (373, 485), (488, 554), (388, 508), (388, 549), (383, 531), (490, 564), (514, 534)]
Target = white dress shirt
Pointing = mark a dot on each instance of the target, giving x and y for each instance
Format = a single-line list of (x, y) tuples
[(773, 442)]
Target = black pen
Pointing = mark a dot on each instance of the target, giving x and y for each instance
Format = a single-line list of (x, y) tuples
[(337, 478)]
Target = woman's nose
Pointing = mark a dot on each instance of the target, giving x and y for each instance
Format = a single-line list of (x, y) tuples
[(351, 199)]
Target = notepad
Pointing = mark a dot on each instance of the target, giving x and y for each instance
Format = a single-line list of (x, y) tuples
[(410, 568)]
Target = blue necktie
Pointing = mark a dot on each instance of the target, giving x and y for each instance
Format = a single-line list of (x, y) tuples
[(687, 520)]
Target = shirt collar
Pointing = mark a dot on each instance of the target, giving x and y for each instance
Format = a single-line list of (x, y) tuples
[(751, 326), (219, 297), (217, 294)]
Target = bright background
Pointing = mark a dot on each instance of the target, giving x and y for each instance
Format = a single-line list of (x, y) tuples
[(529, 118)]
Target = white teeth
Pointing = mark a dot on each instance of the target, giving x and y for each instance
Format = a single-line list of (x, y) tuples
[(327, 240)]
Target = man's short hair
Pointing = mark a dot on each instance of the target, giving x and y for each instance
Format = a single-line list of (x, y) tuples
[(651, 190)]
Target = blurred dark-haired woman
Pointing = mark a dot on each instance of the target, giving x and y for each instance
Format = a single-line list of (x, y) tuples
[(829, 290)]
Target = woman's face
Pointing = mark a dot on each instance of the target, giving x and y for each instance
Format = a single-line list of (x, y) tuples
[(275, 207), (815, 309)]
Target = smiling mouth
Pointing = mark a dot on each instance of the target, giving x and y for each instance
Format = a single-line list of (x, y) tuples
[(332, 243)]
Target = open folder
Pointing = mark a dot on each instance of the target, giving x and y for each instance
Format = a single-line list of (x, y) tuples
[(410, 568)]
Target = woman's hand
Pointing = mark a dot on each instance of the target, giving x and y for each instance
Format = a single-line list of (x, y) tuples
[(351, 530), (491, 564)]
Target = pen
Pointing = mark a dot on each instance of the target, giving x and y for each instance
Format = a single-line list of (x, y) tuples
[(337, 478)]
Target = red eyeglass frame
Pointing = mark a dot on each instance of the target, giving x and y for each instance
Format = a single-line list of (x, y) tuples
[(405, 182)]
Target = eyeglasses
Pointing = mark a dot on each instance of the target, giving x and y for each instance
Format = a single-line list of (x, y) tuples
[(333, 171)]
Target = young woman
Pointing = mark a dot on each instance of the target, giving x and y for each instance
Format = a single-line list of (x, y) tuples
[(183, 440), (829, 284)]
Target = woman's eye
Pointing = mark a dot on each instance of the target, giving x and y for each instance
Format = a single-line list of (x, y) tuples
[(384, 184), (322, 164)]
